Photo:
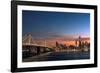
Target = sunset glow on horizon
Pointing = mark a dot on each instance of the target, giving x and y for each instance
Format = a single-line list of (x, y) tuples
[(52, 27)]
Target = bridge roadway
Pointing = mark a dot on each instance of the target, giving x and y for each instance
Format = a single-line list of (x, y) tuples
[(33, 50)]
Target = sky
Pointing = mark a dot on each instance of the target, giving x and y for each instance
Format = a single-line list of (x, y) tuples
[(43, 24)]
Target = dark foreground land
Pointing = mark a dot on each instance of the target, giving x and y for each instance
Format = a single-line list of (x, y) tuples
[(56, 56)]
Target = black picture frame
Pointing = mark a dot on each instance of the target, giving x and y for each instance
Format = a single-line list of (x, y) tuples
[(14, 5)]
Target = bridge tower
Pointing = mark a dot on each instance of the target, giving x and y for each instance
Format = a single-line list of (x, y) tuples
[(28, 40)]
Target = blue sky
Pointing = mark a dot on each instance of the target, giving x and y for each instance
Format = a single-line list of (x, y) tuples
[(52, 24)]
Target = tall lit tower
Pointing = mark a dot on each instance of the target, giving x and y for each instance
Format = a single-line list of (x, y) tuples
[(80, 42), (76, 43)]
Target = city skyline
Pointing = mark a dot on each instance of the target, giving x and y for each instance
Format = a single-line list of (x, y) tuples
[(52, 42)]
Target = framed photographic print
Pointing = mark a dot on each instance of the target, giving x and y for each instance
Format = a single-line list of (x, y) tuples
[(51, 36)]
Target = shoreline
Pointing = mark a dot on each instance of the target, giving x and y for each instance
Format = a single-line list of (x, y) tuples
[(44, 56)]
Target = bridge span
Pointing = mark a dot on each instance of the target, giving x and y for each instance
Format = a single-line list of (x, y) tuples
[(30, 48)]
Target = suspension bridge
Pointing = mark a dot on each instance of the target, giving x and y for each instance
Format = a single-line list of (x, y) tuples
[(31, 48)]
